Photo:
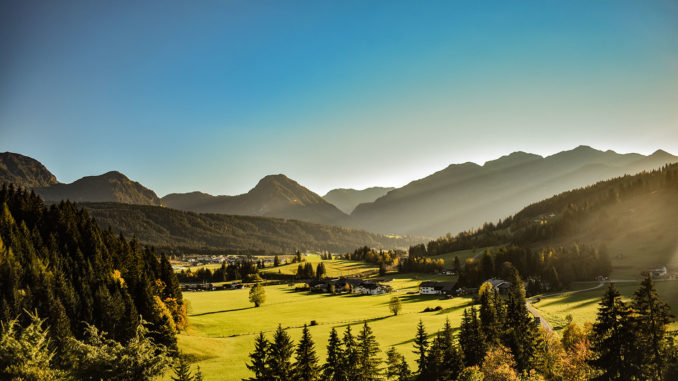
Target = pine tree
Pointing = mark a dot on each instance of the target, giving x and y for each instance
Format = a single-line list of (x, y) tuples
[(434, 361), (452, 362), (306, 367), (349, 364), (259, 358), (491, 314), (614, 338), (320, 271), (276, 261), (397, 368), (471, 338), (421, 347), (332, 370), (280, 355), (521, 333), (368, 351), (182, 371), (650, 323)]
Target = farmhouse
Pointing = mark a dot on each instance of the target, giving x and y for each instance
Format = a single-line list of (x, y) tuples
[(499, 285), (371, 289), (658, 271), (437, 288)]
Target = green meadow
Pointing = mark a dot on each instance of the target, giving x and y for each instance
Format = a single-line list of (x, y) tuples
[(224, 323), (583, 305)]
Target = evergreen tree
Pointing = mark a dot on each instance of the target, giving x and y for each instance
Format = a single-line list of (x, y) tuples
[(421, 347), (614, 338), (491, 314), (434, 361), (350, 361), (471, 338), (259, 358), (306, 367), (320, 271), (280, 355), (182, 371), (652, 316), (332, 370), (521, 332), (452, 362), (368, 355), (397, 368), (276, 261)]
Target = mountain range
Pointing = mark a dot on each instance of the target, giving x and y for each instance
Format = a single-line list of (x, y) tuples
[(347, 199), (273, 196), (459, 197), (464, 196)]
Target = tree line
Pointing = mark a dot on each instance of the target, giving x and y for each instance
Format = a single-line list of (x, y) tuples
[(544, 269)]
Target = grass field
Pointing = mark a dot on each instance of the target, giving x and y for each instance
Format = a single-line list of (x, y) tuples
[(583, 306), (224, 323), (335, 267)]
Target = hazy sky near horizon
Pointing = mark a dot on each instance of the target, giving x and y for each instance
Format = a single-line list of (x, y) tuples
[(214, 95)]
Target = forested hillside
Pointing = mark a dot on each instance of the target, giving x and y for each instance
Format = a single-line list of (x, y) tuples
[(632, 218), (56, 263), (206, 233)]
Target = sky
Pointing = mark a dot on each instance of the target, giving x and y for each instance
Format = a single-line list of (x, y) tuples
[(214, 95)]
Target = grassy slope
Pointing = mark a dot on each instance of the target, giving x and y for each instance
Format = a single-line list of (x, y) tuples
[(224, 323), (335, 268), (583, 306)]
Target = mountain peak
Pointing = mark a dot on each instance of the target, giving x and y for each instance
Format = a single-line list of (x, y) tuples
[(114, 175), (514, 158), (24, 171)]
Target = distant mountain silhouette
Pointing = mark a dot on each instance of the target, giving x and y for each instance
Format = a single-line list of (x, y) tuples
[(24, 171), (111, 186), (464, 196), (273, 196), (347, 199)]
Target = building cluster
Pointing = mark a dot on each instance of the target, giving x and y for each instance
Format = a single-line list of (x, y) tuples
[(348, 286), (210, 286)]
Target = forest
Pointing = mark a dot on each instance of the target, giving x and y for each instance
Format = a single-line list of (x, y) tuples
[(79, 302)]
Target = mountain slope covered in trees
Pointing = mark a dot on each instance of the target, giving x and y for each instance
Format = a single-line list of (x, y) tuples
[(347, 199), (633, 218), (273, 196), (56, 263), (464, 196), (193, 232)]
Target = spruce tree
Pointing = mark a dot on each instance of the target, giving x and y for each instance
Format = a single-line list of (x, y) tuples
[(349, 364), (491, 316), (434, 361), (259, 358), (421, 347), (332, 370), (521, 332), (471, 338), (306, 367), (368, 355), (397, 368), (614, 338), (652, 316), (182, 371), (280, 355), (452, 362)]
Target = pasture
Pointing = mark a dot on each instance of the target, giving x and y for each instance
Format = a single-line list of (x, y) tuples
[(224, 323)]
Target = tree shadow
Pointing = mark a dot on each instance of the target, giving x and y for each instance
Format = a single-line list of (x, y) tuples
[(222, 311)]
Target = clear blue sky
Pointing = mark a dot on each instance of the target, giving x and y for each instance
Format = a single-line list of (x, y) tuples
[(213, 95)]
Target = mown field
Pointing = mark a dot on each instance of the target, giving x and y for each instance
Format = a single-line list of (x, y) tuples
[(335, 267), (224, 323)]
